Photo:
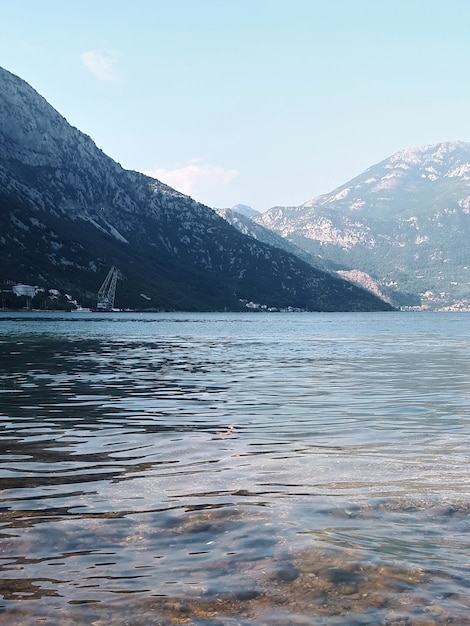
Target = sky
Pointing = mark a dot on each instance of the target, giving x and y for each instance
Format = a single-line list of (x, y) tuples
[(257, 102)]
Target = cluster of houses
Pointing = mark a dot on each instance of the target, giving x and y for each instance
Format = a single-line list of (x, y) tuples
[(31, 291), (255, 306)]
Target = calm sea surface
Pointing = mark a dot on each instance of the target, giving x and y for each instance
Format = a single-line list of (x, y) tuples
[(240, 469)]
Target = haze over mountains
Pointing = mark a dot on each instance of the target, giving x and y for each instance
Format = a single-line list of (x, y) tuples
[(402, 226), (69, 212)]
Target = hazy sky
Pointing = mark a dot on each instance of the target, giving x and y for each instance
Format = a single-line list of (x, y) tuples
[(259, 102)]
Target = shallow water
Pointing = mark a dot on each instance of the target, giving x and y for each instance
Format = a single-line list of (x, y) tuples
[(234, 469)]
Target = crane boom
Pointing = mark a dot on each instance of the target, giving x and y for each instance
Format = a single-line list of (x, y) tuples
[(108, 291)]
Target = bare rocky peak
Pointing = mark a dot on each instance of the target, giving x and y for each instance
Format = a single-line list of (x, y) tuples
[(438, 169), (431, 163), (34, 133), (244, 209), (440, 153), (52, 159)]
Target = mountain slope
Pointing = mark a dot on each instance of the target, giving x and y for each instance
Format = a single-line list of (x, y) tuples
[(249, 227), (244, 209), (405, 222), (69, 212), (246, 225)]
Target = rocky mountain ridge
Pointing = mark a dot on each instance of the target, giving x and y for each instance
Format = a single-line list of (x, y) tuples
[(69, 212), (404, 222), (244, 209), (246, 225)]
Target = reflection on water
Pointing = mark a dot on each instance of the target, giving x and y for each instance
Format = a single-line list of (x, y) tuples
[(234, 469)]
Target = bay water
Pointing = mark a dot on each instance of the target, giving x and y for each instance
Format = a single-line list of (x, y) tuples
[(207, 469)]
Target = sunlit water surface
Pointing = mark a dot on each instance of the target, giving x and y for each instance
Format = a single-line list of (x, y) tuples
[(234, 469)]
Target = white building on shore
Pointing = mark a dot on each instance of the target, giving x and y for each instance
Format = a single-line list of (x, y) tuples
[(24, 290)]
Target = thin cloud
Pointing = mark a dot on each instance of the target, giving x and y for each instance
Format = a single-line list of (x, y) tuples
[(194, 179), (101, 64)]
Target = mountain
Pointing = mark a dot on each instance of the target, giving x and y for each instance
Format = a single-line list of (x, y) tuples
[(247, 226), (69, 213), (244, 209), (251, 228), (404, 223)]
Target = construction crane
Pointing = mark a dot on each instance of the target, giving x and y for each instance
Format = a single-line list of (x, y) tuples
[(108, 291)]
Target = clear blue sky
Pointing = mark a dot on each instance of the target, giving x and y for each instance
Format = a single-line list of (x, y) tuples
[(260, 102)]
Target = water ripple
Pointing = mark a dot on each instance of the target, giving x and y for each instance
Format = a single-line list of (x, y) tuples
[(245, 469)]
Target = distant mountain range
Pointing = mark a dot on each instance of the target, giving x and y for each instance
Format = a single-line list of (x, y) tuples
[(401, 228), (244, 209), (69, 213), (246, 224), (249, 227)]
